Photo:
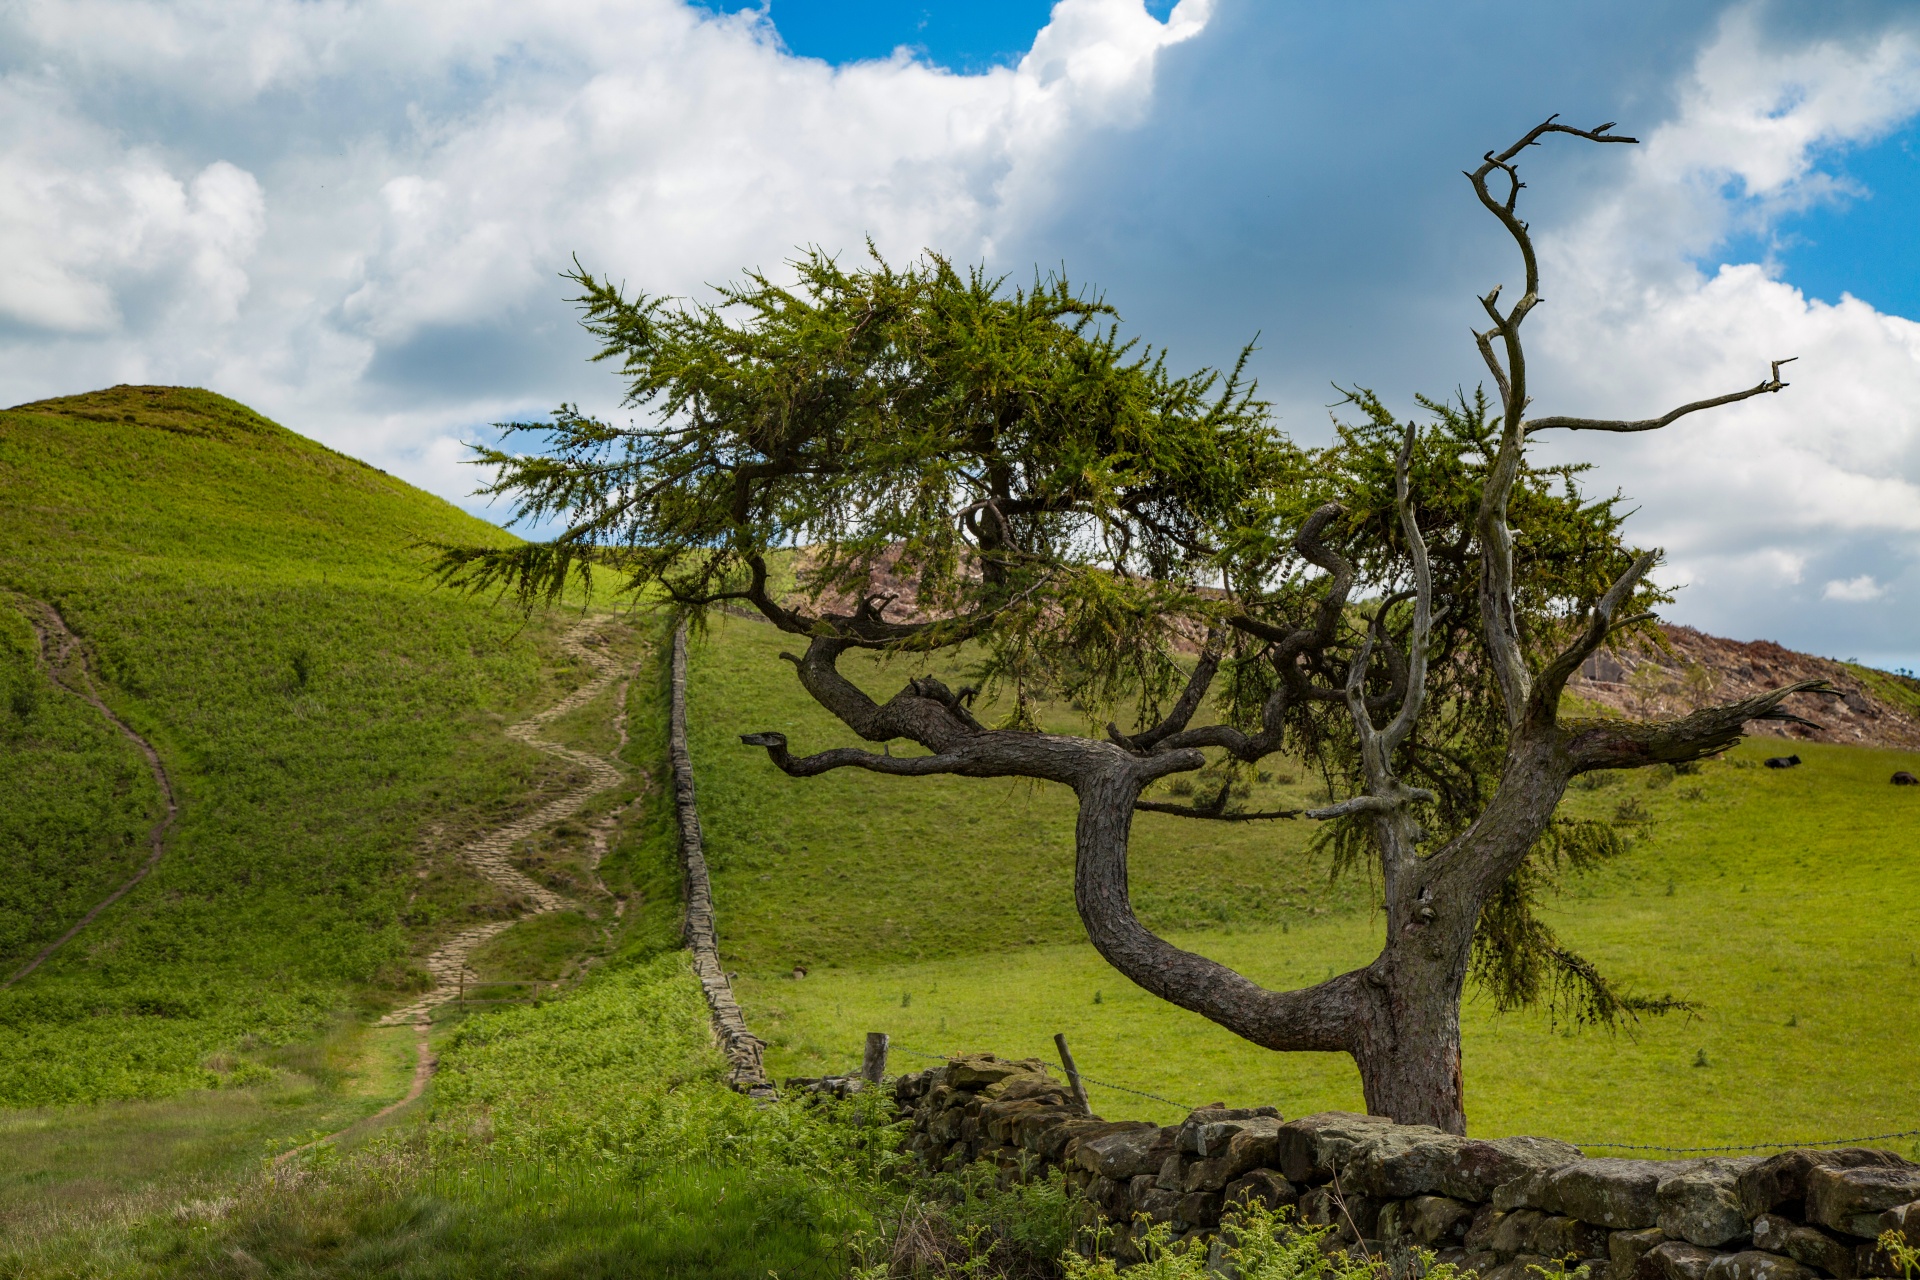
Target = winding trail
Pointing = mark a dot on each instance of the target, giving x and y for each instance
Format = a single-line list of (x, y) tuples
[(423, 1064), (491, 854), (491, 857), (59, 648)]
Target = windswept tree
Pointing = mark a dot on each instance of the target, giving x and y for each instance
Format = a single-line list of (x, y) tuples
[(1404, 607)]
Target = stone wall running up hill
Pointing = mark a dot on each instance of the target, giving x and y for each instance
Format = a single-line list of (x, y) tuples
[(1493, 1206)]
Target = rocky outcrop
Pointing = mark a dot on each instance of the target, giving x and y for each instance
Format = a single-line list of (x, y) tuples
[(1644, 680), (1496, 1207)]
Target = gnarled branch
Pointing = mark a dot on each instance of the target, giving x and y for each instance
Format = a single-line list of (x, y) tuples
[(1600, 625), (1193, 811), (1183, 709)]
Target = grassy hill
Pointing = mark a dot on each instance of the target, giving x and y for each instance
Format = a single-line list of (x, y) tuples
[(253, 607)]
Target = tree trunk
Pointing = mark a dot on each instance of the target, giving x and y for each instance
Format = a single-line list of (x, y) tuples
[(1406, 1035), (1398, 1017)]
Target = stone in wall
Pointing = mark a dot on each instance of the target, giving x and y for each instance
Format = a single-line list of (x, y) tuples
[(1779, 1182), (1852, 1200), (1700, 1205)]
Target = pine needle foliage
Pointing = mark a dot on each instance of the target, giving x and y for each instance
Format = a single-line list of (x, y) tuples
[(1057, 496)]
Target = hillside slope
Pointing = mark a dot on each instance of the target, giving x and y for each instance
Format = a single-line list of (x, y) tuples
[(1875, 708), (253, 605)]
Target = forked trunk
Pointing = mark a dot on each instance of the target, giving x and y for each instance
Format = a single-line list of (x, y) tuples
[(1398, 1017)]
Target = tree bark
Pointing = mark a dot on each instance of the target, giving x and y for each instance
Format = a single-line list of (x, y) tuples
[(1406, 1038)]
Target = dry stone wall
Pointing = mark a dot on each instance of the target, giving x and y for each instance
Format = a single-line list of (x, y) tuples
[(1495, 1207), (742, 1047)]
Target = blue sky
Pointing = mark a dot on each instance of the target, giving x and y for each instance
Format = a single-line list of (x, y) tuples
[(1865, 240), (352, 215), (964, 37)]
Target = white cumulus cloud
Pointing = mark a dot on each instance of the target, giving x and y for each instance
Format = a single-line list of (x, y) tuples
[(355, 214), (1854, 590), (1825, 474)]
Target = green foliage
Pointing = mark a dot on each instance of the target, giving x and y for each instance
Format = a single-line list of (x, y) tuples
[(77, 805), (602, 1075), (1056, 496), (1903, 1254), (1521, 962), (1258, 1243), (973, 1222), (1006, 442)]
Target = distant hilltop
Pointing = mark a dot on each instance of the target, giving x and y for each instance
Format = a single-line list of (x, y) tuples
[(1875, 708)]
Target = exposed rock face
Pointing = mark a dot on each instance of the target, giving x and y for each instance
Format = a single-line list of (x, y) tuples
[(1496, 1208), (1642, 682)]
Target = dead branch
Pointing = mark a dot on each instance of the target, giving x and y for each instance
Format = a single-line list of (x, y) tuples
[(1768, 387)]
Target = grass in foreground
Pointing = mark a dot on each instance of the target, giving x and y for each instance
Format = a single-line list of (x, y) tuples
[(589, 1136)]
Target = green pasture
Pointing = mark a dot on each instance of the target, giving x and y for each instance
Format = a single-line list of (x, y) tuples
[(853, 869), (1785, 905), (258, 608)]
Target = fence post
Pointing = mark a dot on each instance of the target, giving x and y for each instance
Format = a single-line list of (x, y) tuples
[(873, 1067), (1073, 1074)]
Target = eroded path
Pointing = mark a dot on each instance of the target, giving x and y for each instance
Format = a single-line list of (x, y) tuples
[(491, 854), (66, 658)]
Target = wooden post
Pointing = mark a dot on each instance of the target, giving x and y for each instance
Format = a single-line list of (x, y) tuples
[(1073, 1074), (873, 1067)]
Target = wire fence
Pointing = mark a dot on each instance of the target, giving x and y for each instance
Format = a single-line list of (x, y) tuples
[(1754, 1146), (1584, 1146)]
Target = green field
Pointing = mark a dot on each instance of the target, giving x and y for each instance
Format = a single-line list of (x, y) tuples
[(1784, 904), (254, 609), (259, 609)]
